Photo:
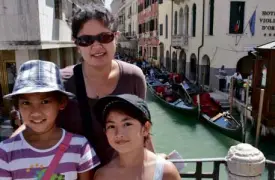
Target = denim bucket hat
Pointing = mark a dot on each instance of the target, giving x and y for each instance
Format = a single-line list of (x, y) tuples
[(36, 76)]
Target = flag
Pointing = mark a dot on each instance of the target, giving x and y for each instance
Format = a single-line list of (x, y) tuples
[(252, 23), (237, 26)]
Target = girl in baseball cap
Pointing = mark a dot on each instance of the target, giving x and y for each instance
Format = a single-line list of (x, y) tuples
[(127, 122)]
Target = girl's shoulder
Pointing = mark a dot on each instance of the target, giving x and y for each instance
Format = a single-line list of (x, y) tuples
[(170, 171), (164, 169), (12, 143), (106, 171), (77, 139)]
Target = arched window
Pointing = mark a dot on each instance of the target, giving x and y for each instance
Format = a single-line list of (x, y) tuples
[(181, 21), (194, 14), (166, 26), (211, 16), (176, 23)]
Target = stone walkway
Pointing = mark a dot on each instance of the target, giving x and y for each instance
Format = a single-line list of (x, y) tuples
[(5, 130)]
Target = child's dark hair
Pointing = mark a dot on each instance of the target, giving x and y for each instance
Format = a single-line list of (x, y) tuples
[(56, 94), (91, 11), (129, 111)]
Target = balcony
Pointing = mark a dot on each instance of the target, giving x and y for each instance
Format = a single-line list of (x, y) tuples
[(121, 27), (180, 41), (131, 35)]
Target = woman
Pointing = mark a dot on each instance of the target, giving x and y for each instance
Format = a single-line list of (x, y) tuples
[(94, 32), (127, 123)]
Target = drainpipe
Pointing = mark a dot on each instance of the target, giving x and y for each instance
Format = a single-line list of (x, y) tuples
[(202, 43), (172, 25)]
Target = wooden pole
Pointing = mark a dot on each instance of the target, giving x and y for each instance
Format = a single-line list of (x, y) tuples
[(199, 106), (259, 117), (231, 94), (245, 111)]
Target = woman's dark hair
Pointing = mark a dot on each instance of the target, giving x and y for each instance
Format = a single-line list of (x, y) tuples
[(89, 12)]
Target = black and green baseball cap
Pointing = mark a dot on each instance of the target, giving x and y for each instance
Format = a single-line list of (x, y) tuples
[(133, 102)]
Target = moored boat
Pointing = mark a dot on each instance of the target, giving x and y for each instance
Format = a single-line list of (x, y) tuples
[(174, 100), (212, 113)]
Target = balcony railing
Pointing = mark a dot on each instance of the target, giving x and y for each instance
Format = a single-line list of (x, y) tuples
[(130, 35), (180, 41), (121, 27)]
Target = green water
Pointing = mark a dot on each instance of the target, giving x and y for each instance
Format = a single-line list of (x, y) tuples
[(190, 137)]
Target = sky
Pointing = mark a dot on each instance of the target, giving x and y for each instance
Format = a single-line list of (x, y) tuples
[(107, 3)]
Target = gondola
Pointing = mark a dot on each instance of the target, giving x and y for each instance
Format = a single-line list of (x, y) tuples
[(178, 101), (212, 113)]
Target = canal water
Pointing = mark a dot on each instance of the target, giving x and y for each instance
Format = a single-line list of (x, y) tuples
[(174, 130)]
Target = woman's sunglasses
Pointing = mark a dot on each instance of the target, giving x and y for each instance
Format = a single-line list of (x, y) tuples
[(87, 40)]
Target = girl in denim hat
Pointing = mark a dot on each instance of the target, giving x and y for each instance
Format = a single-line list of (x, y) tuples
[(42, 150), (127, 123)]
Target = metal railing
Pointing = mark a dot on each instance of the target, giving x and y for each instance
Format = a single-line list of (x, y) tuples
[(198, 174)]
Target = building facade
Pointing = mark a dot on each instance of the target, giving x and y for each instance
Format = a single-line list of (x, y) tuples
[(126, 13), (206, 34), (34, 29), (148, 41)]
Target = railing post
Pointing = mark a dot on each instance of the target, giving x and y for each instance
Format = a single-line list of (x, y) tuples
[(245, 162)]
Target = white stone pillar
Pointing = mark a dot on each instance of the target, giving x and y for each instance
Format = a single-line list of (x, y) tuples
[(244, 162)]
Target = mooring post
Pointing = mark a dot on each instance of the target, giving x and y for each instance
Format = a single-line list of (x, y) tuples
[(259, 119), (231, 94), (245, 162)]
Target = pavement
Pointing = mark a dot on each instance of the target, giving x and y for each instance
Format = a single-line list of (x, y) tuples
[(6, 129)]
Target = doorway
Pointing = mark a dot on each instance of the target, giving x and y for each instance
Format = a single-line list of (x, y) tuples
[(7, 77)]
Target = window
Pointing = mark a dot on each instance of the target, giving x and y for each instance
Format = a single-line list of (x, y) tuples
[(152, 25), (166, 26), (211, 16), (140, 8), (140, 51), (58, 9), (140, 28), (176, 23), (147, 3), (161, 29), (236, 17), (129, 28), (144, 27), (194, 14), (130, 11), (155, 52)]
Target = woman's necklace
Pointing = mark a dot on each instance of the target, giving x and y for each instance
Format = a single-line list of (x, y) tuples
[(91, 88)]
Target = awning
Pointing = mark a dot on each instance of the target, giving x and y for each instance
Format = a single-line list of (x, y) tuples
[(270, 45)]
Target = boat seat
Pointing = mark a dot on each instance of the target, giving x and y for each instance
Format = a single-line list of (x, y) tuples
[(213, 119)]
